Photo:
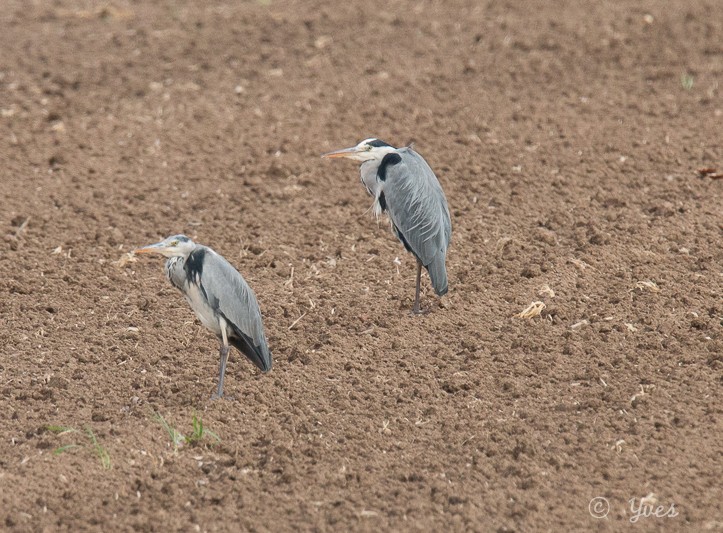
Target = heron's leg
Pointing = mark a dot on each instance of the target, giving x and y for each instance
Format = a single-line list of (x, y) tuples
[(415, 309), (225, 348), (221, 371)]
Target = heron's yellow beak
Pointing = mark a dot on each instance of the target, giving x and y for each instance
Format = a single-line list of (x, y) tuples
[(346, 152), (157, 248)]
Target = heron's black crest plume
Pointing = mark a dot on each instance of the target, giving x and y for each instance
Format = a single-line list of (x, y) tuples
[(376, 143)]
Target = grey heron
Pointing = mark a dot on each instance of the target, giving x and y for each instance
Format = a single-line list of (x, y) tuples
[(405, 187), (220, 297)]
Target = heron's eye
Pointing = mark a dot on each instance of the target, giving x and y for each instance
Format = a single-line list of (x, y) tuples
[(174, 243)]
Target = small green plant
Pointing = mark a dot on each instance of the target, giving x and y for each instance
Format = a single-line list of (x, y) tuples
[(199, 432), (176, 436), (687, 80), (178, 439), (99, 450), (61, 449)]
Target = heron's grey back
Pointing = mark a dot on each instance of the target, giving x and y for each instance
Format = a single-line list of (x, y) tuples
[(418, 208), (229, 294)]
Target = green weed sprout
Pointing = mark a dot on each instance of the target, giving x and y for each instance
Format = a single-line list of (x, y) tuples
[(99, 450)]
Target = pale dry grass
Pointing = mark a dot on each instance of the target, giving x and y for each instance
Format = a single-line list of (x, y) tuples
[(545, 290), (128, 257), (532, 310), (581, 265), (646, 285)]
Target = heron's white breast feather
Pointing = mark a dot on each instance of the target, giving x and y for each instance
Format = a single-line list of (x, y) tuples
[(203, 311)]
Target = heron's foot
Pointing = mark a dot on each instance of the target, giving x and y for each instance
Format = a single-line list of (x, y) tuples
[(417, 311), (227, 397)]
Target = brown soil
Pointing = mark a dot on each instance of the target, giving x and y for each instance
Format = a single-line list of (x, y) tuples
[(567, 138)]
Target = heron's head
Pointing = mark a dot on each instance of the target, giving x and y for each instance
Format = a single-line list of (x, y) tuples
[(175, 246), (367, 150)]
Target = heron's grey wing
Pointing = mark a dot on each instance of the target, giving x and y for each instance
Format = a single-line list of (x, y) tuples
[(230, 295), (418, 209)]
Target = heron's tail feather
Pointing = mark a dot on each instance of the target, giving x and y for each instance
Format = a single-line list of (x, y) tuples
[(438, 274), (258, 354)]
